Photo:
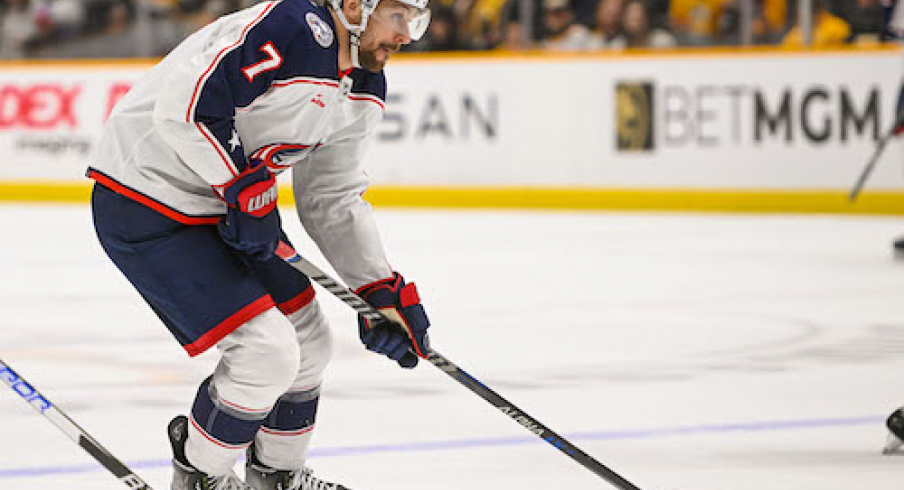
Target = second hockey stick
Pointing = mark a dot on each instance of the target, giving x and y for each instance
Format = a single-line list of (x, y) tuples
[(347, 296), (70, 428), (871, 164)]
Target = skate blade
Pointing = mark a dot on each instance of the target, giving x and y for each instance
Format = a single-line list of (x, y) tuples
[(893, 445)]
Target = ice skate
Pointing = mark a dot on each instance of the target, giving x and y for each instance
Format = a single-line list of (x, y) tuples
[(898, 248), (261, 477), (186, 476), (895, 423)]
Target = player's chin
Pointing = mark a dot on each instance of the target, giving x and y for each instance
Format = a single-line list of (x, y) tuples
[(374, 61)]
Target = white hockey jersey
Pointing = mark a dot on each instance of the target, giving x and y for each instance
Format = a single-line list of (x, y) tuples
[(262, 83)]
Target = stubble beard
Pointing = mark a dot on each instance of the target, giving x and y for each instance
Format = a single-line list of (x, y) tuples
[(368, 60)]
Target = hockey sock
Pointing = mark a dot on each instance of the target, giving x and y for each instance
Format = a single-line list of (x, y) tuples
[(283, 440), (219, 431)]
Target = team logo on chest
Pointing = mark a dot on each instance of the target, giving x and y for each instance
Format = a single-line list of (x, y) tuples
[(322, 31)]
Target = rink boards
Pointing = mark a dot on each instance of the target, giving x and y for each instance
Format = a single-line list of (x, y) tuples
[(753, 130)]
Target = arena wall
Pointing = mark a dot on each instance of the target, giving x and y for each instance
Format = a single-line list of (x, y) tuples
[(715, 130)]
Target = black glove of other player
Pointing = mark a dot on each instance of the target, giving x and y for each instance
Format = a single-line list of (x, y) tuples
[(405, 339)]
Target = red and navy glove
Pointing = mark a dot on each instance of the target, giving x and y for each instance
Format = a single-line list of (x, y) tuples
[(404, 339), (252, 224)]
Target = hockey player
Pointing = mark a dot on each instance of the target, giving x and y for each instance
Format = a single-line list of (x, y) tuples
[(894, 17), (185, 205), (894, 30)]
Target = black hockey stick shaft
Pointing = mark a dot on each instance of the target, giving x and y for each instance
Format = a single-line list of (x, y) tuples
[(70, 428), (871, 164), (445, 365)]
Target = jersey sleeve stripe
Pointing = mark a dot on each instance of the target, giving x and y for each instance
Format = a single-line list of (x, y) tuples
[(204, 76), (368, 98), (313, 81), (266, 154)]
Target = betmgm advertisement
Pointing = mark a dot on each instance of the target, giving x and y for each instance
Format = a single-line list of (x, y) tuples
[(691, 116), (757, 122)]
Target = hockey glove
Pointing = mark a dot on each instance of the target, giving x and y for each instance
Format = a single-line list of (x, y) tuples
[(404, 339), (252, 224)]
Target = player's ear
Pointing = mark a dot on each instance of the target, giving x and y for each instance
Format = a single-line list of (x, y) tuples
[(352, 10)]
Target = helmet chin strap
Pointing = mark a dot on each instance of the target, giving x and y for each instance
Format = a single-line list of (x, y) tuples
[(354, 40), (354, 34)]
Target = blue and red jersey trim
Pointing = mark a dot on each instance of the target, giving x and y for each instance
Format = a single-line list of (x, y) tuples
[(150, 202), (229, 325)]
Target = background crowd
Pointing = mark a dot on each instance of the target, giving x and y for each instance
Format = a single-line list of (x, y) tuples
[(128, 28)]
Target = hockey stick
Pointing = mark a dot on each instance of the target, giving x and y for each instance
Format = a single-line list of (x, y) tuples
[(70, 428), (880, 147), (347, 296)]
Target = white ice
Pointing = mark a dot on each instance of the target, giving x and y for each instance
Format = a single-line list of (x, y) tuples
[(683, 351)]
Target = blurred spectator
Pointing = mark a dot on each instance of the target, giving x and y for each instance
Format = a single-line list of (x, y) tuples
[(511, 28), (768, 25), (28, 25), (512, 37), (109, 34), (770, 21), (122, 28), (584, 11), (60, 19), (203, 12), (606, 27), (695, 22), (658, 11), (775, 14), (480, 22), (560, 32), (442, 35), (828, 30), (636, 30), (865, 18), (18, 28)]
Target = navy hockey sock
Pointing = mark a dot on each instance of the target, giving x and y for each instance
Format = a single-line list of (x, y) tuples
[(293, 413), (223, 422)]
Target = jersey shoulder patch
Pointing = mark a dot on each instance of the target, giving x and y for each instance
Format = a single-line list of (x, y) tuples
[(312, 23), (311, 40), (322, 32)]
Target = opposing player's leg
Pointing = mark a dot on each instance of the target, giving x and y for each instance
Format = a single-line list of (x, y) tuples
[(895, 424), (898, 248), (898, 243)]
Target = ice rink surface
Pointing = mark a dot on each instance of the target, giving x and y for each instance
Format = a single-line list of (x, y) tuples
[(684, 351)]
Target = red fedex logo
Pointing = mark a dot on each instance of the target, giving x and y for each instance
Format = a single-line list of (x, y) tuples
[(38, 106), (117, 91)]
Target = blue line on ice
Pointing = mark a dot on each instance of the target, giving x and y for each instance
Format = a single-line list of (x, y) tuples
[(454, 444)]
